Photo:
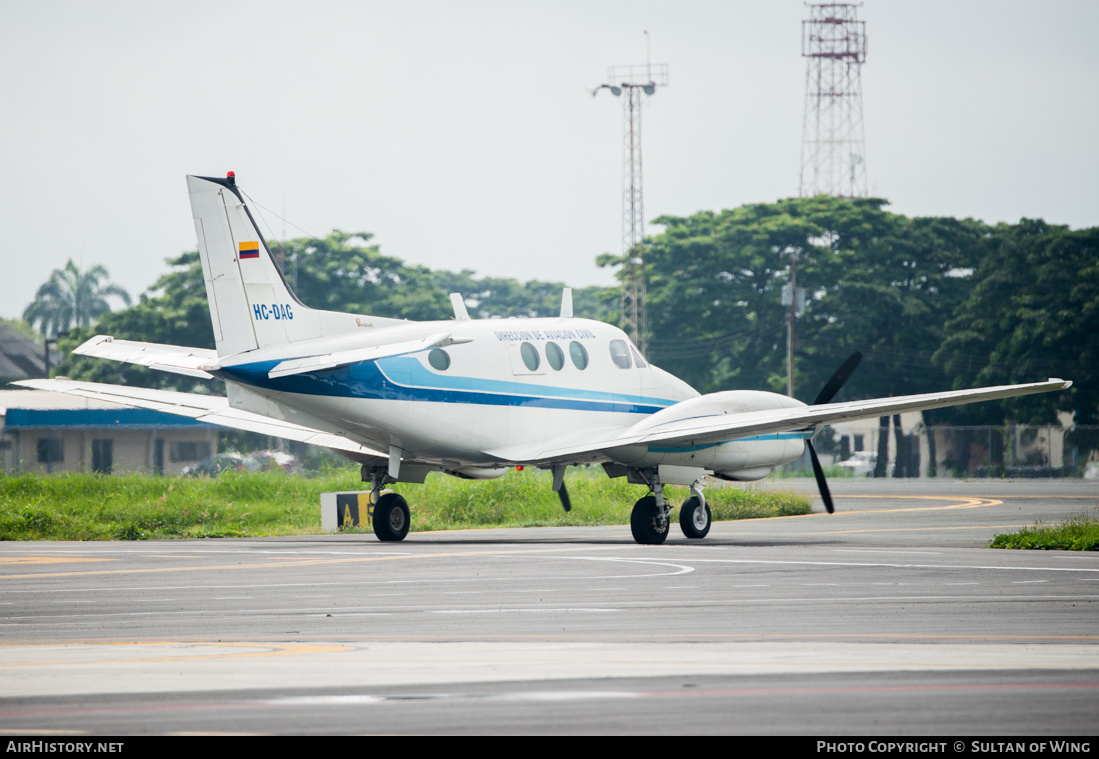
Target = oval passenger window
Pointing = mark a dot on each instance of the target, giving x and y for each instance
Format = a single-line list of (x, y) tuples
[(555, 356), (579, 355), (530, 356)]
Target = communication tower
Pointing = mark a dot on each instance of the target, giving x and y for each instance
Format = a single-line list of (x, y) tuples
[(630, 83), (833, 152)]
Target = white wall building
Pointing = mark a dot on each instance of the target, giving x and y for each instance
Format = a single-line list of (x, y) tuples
[(49, 432)]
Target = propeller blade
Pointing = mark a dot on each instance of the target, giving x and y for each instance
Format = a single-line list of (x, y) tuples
[(836, 382), (563, 494), (818, 472)]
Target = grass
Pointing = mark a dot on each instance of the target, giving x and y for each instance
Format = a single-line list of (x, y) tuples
[(137, 507), (1079, 533), (831, 472)]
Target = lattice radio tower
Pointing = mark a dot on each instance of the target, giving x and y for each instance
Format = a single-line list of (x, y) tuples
[(632, 82), (833, 153)]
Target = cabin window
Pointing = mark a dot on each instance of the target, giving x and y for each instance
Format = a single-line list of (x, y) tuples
[(530, 356), (579, 355), (439, 359), (555, 356), (620, 354)]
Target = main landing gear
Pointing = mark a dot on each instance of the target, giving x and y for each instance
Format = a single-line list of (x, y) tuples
[(391, 517), (649, 520)]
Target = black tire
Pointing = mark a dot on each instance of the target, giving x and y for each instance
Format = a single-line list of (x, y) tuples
[(643, 523), (695, 518), (391, 518)]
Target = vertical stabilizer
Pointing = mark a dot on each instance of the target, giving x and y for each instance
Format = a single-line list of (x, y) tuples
[(250, 304)]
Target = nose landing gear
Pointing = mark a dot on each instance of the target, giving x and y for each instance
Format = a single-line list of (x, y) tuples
[(649, 520)]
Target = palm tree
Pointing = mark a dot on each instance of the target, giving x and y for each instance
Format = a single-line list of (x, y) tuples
[(71, 297)]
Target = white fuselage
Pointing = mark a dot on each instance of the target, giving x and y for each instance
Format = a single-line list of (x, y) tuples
[(503, 384)]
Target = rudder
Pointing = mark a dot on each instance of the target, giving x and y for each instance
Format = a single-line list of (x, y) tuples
[(251, 305)]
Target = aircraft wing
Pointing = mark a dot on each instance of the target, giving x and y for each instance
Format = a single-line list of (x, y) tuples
[(213, 409), (721, 428), (168, 358)]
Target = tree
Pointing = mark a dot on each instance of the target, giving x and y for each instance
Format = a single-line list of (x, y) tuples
[(1034, 313), (502, 298), (72, 298), (877, 282), (173, 311)]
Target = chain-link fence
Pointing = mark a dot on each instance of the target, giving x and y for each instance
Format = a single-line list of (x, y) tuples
[(1011, 450)]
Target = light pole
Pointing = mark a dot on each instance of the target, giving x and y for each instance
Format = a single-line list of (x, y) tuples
[(634, 81)]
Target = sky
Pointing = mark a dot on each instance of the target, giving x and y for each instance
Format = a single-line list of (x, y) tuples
[(462, 135)]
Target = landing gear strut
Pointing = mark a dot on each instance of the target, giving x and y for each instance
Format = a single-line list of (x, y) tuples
[(391, 518), (694, 515), (649, 518)]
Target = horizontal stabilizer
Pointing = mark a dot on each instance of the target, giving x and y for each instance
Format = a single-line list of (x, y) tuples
[(168, 358), (213, 409), (343, 358)]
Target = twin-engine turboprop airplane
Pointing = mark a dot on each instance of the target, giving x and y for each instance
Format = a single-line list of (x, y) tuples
[(469, 397)]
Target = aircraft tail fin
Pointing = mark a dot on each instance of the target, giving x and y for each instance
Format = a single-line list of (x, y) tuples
[(251, 305)]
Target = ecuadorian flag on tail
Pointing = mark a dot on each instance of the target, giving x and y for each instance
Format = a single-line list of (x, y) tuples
[(248, 249)]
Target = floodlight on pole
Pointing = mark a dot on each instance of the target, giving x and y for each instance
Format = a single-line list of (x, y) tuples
[(633, 81)]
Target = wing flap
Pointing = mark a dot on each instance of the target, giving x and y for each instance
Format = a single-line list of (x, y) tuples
[(213, 409)]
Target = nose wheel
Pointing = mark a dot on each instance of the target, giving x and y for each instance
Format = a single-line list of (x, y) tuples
[(695, 517)]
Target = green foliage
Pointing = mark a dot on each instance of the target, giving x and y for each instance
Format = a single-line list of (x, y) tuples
[(1034, 313), (501, 298), (342, 272), (1080, 533), (72, 298), (172, 311), (142, 507), (876, 282)]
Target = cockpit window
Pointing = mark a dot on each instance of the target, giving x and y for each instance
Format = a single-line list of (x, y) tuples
[(530, 356), (579, 355), (620, 354), (555, 356), (439, 359), (637, 360)]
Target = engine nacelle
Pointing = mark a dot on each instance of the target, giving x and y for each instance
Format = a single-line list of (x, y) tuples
[(744, 459)]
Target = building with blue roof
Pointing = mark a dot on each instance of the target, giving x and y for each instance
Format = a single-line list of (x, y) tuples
[(51, 432)]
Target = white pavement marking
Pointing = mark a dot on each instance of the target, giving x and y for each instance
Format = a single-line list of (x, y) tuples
[(51, 670)]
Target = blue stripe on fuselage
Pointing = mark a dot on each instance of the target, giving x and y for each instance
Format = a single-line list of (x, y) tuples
[(404, 378)]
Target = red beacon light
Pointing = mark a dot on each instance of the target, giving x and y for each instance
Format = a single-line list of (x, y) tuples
[(232, 177)]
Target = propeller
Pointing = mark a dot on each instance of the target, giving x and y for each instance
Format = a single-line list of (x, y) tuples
[(831, 387)]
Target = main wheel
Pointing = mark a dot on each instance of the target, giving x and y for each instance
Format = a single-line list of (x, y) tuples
[(391, 517), (645, 522), (695, 517)]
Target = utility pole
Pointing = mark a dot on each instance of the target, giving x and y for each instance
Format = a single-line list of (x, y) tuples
[(794, 297), (633, 81)]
